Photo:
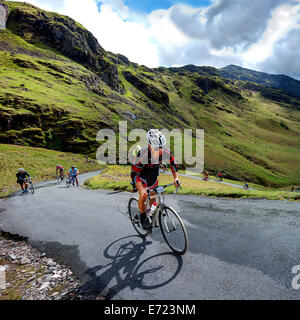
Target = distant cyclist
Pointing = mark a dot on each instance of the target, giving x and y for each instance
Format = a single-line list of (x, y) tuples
[(73, 173), (205, 176), (246, 186), (22, 176), (220, 176), (145, 169), (60, 169)]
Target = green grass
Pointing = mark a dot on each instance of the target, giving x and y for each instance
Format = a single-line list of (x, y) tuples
[(118, 178), (39, 163)]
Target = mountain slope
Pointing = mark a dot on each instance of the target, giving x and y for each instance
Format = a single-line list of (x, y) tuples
[(234, 72), (53, 98), (270, 80)]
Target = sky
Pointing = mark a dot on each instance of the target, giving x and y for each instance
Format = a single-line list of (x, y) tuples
[(262, 35)]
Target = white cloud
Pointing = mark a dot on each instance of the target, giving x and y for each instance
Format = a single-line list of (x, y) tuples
[(284, 19), (245, 32)]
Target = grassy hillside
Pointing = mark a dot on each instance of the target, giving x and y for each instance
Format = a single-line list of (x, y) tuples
[(39, 163), (270, 80), (233, 72), (58, 97), (118, 178)]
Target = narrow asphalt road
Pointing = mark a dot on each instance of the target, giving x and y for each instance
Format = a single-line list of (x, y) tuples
[(239, 249), (222, 182)]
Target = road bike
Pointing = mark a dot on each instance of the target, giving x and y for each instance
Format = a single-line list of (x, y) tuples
[(169, 221), (30, 185), (70, 180), (60, 177)]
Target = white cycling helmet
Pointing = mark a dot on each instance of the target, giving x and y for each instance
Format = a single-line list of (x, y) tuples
[(156, 138), (21, 170)]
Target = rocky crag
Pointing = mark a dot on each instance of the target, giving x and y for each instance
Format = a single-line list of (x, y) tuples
[(3, 14)]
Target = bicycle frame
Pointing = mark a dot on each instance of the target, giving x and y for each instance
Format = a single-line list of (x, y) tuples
[(160, 195), (71, 179)]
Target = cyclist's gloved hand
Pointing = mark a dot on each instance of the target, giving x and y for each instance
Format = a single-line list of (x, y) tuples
[(177, 183)]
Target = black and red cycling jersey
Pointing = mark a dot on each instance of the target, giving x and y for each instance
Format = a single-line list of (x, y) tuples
[(146, 170)]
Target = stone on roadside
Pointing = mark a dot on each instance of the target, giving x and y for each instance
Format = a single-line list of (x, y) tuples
[(10, 257), (25, 260), (44, 286)]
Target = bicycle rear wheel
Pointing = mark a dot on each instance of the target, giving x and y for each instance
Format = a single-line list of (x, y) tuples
[(173, 230), (134, 215)]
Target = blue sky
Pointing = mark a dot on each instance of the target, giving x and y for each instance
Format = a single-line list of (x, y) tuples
[(151, 5)]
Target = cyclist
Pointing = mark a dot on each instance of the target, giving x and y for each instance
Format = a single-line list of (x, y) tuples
[(21, 179), (246, 186), (145, 169), (220, 176), (73, 173), (60, 169), (205, 176)]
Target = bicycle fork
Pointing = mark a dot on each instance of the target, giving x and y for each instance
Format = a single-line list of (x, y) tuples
[(169, 230)]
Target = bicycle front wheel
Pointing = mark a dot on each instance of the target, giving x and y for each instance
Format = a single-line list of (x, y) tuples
[(31, 188), (135, 216), (173, 230), (68, 183)]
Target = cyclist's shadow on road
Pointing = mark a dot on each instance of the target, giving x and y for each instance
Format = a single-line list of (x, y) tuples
[(125, 270)]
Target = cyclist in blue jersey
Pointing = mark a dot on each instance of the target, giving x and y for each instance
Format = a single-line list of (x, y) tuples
[(73, 173)]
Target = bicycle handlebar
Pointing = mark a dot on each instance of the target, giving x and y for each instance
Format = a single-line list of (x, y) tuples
[(165, 186), (168, 185)]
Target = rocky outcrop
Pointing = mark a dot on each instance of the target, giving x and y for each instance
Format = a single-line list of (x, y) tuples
[(35, 125), (208, 83), (3, 14), (119, 59), (59, 32), (68, 37), (149, 90), (197, 96), (204, 70), (110, 75)]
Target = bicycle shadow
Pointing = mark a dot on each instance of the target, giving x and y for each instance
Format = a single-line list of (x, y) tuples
[(125, 271)]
